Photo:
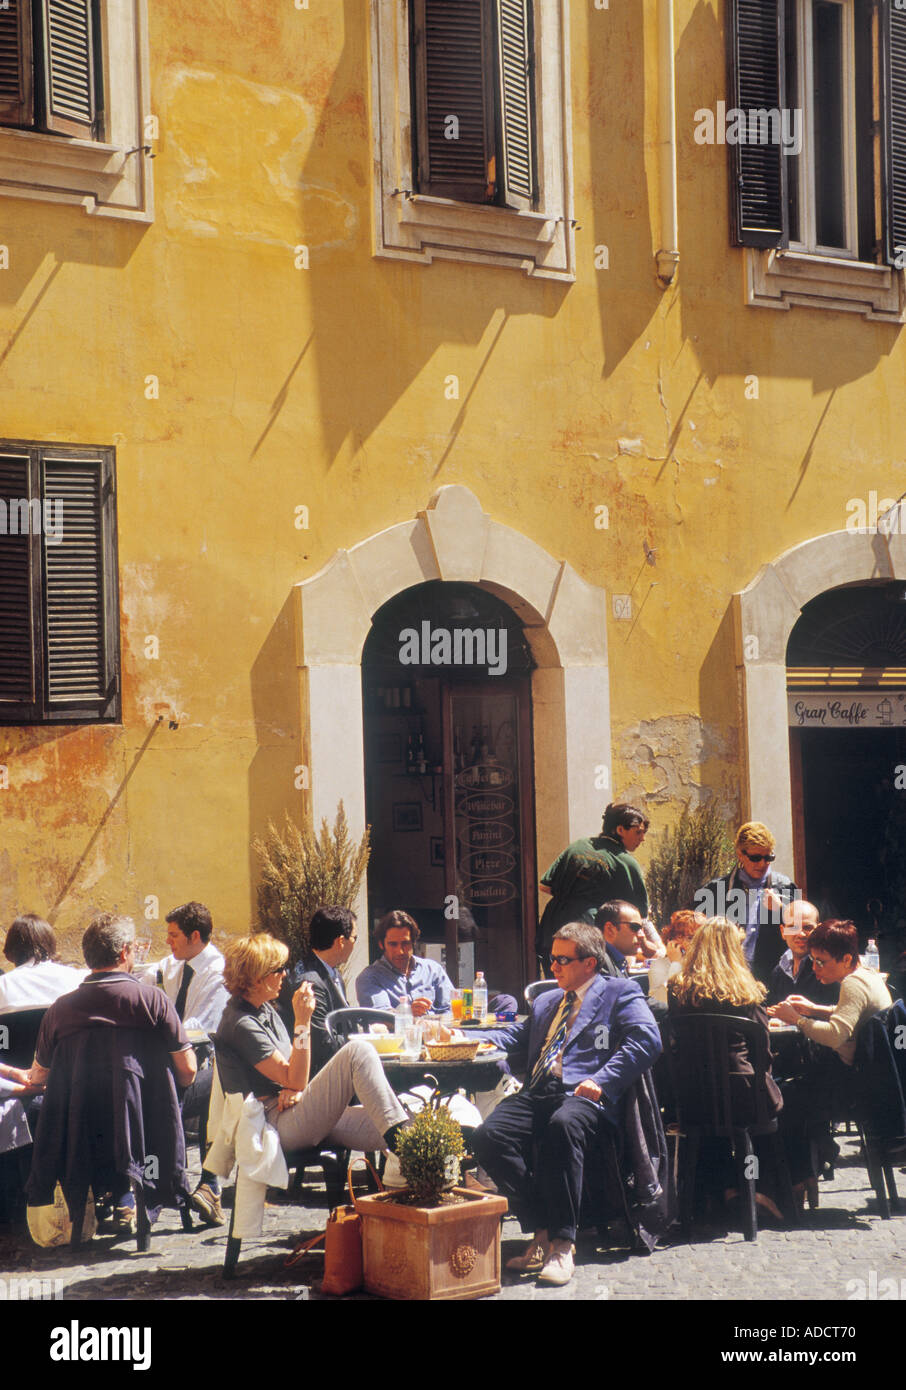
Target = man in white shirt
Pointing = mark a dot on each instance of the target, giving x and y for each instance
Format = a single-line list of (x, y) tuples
[(192, 979), (37, 978)]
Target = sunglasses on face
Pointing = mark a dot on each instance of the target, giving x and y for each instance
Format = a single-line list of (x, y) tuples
[(759, 858), (564, 960)]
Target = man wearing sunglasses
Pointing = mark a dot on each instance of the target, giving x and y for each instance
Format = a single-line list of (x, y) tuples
[(753, 895), (581, 1048)]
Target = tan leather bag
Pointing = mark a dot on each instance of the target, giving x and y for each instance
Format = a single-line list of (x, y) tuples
[(343, 1272)]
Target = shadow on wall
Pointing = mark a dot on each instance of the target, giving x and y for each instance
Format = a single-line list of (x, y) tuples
[(275, 687), (380, 324), (718, 700), (628, 294)]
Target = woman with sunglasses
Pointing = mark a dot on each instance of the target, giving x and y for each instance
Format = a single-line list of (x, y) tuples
[(255, 1055), (753, 895)]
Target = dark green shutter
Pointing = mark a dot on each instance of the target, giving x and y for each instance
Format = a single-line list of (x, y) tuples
[(453, 66), (69, 80), (17, 670), (893, 131), (16, 65), (516, 71), (74, 585), (755, 36)]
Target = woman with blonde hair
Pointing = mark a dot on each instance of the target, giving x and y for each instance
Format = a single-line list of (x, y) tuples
[(255, 1056), (716, 980)]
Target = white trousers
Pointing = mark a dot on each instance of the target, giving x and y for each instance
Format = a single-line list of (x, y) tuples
[(324, 1111)]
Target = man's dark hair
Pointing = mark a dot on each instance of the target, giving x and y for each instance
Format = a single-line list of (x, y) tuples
[(620, 813), (30, 938), (837, 938), (612, 912), (327, 924), (396, 918), (192, 917)]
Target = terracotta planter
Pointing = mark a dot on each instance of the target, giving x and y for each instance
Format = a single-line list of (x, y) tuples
[(432, 1252)]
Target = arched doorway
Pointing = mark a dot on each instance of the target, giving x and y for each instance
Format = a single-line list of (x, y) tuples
[(446, 695), (846, 682), (564, 621)]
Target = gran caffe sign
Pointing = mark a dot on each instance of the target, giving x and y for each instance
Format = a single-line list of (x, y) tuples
[(872, 710)]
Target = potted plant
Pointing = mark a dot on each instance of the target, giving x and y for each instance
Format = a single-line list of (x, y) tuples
[(433, 1239)]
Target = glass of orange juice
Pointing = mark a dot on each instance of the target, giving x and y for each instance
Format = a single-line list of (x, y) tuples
[(456, 1005)]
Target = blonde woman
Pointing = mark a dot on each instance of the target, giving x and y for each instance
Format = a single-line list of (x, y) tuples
[(753, 895), (716, 980), (255, 1056)]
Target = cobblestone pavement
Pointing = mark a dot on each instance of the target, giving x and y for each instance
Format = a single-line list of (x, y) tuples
[(845, 1241)]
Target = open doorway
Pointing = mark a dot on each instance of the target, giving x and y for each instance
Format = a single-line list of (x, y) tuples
[(446, 683)]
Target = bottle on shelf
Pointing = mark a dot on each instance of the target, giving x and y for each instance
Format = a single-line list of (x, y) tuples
[(871, 960), (403, 1018), (480, 997), (410, 754), (421, 761)]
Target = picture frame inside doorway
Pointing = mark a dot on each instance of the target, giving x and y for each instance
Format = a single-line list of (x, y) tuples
[(407, 815)]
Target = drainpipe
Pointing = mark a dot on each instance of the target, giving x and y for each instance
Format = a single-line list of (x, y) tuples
[(667, 258)]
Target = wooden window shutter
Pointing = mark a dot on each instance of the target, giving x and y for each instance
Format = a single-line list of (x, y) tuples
[(454, 101), (17, 665), (893, 131), (79, 672), (69, 78), (17, 105), (516, 74), (758, 176)]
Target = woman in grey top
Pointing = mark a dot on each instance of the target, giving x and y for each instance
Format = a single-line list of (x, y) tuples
[(255, 1055)]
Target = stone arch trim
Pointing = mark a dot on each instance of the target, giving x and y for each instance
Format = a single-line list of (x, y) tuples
[(766, 611), (565, 623)]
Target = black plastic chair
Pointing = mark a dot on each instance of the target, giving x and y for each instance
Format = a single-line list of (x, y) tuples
[(698, 1055), (878, 1106), (342, 1023), (24, 1027), (334, 1164), (538, 987)]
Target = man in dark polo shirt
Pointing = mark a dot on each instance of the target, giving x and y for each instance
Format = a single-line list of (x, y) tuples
[(110, 996)]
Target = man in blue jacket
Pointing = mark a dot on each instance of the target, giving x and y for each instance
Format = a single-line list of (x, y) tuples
[(582, 1046)]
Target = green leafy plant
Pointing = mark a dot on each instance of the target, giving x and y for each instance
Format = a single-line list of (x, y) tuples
[(429, 1151), (693, 851), (302, 871)]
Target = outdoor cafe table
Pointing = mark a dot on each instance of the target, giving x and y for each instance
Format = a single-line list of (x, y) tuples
[(481, 1074)]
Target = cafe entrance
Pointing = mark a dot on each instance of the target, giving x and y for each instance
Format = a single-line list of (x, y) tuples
[(447, 712), (846, 682)]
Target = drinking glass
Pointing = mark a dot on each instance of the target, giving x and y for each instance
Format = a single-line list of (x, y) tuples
[(142, 949), (412, 1041), (456, 1005)]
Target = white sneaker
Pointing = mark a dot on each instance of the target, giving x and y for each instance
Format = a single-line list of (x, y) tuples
[(559, 1267)]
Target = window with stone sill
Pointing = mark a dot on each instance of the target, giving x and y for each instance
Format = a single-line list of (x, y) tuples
[(471, 124), (819, 201), (73, 101)]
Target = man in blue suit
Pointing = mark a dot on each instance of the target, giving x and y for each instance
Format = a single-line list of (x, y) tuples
[(582, 1046)]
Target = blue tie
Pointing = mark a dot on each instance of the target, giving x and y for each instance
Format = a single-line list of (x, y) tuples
[(555, 1046)]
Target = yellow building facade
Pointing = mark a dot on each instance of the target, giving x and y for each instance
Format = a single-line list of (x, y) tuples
[(320, 387)]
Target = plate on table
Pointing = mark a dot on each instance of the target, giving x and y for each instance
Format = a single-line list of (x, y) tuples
[(387, 1044)]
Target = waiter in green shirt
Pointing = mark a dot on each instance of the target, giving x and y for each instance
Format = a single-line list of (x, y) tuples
[(593, 871)]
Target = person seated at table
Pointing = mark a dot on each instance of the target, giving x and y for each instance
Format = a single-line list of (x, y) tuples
[(581, 1047), (37, 978), (834, 949), (256, 1056), (191, 977), (715, 979), (621, 926), (332, 935), (793, 973), (401, 973), (676, 936)]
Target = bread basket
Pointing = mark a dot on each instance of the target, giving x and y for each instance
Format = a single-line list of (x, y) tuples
[(457, 1051)]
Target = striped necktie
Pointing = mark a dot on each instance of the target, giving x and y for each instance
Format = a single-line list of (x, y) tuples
[(555, 1046)]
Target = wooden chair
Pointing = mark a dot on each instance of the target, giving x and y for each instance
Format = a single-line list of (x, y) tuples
[(698, 1055)]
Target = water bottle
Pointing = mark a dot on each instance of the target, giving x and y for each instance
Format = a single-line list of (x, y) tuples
[(403, 1018), (871, 960), (479, 997)]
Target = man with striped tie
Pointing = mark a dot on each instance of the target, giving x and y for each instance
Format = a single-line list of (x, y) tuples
[(582, 1046)]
